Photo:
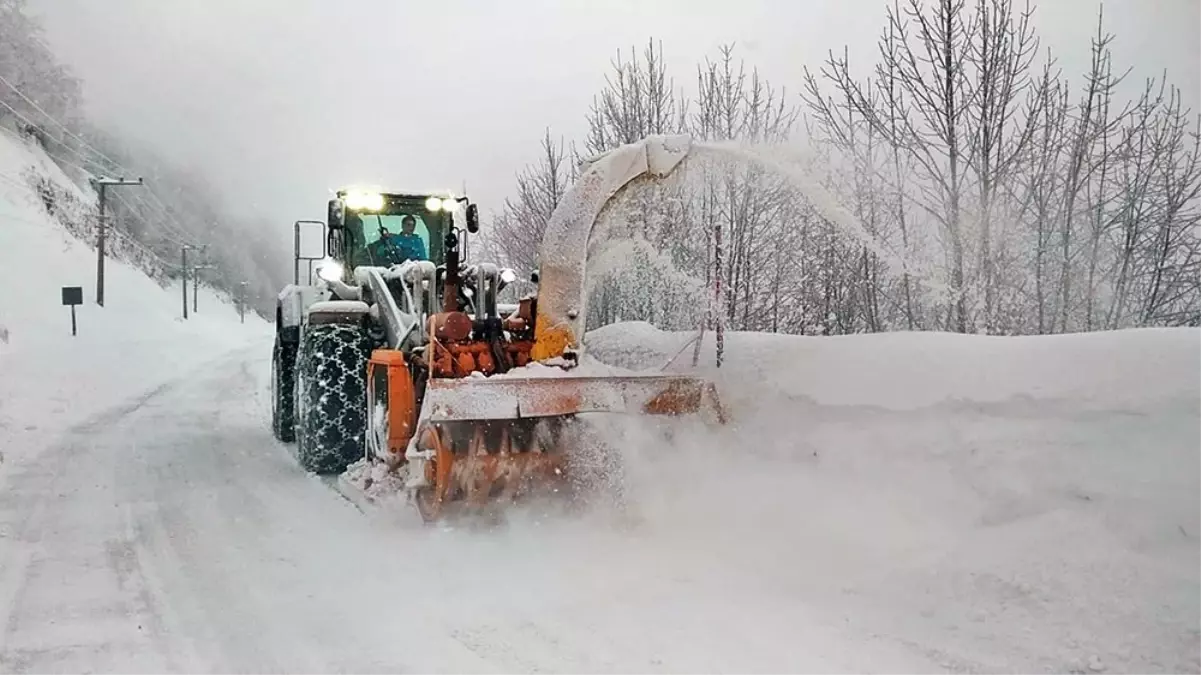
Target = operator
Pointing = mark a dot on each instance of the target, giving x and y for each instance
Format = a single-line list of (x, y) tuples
[(394, 249)]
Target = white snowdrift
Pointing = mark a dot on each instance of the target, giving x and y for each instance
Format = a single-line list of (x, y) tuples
[(1001, 504), (49, 379), (906, 371)]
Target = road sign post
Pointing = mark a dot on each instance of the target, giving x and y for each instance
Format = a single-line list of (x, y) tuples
[(72, 296)]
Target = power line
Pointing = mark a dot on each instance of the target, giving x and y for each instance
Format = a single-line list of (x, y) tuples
[(175, 236), (161, 210), (179, 232), (90, 173), (134, 243), (42, 129), (126, 239), (103, 169), (59, 160), (50, 117), (13, 180), (167, 212), (16, 181)]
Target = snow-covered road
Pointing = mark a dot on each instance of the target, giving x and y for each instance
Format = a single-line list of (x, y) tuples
[(171, 533)]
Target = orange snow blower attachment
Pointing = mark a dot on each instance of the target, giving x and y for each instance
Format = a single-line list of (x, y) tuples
[(500, 439), (483, 441)]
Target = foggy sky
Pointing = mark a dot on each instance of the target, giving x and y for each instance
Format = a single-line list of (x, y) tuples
[(280, 101)]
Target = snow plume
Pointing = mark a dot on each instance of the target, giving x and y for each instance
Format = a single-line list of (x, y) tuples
[(631, 278), (801, 175), (790, 253), (804, 175)]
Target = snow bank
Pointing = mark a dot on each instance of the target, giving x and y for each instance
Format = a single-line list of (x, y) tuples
[(911, 370), (49, 379), (999, 504)]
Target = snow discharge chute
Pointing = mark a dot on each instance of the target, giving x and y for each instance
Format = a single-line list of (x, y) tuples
[(469, 403), (562, 301)]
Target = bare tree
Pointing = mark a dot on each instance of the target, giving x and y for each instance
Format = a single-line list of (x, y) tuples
[(1045, 206), (1038, 186), (1174, 252), (1157, 214), (837, 125), (37, 92), (518, 228), (638, 100), (894, 108), (930, 70), (1092, 123), (742, 209), (716, 223), (999, 130)]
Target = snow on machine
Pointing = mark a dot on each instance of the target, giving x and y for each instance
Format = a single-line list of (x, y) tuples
[(398, 355)]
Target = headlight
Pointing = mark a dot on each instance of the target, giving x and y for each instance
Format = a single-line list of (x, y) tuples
[(508, 276), (330, 270), (447, 204), (364, 201)]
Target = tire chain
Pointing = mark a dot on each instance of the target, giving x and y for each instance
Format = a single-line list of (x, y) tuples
[(283, 383), (333, 367)]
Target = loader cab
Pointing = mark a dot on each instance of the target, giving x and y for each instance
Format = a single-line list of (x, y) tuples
[(369, 228)]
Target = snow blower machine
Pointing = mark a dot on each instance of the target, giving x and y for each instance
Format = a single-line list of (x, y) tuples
[(397, 355)]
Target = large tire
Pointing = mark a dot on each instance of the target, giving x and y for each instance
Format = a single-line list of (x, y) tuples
[(331, 396), (283, 394)]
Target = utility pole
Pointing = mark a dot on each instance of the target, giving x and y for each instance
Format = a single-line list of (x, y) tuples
[(102, 184), (183, 251), (242, 301), (196, 285)]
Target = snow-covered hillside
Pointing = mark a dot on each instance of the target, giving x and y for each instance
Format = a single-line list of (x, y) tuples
[(48, 378)]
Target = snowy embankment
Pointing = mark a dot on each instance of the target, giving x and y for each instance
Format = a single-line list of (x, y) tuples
[(49, 379), (996, 503), (912, 370)]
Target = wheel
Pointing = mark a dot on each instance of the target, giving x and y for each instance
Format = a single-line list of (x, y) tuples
[(331, 396), (283, 396)]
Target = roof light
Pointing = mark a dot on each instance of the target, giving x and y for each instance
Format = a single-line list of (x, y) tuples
[(433, 204), (364, 201)]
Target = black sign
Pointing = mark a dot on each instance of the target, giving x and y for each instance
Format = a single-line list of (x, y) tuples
[(72, 295)]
